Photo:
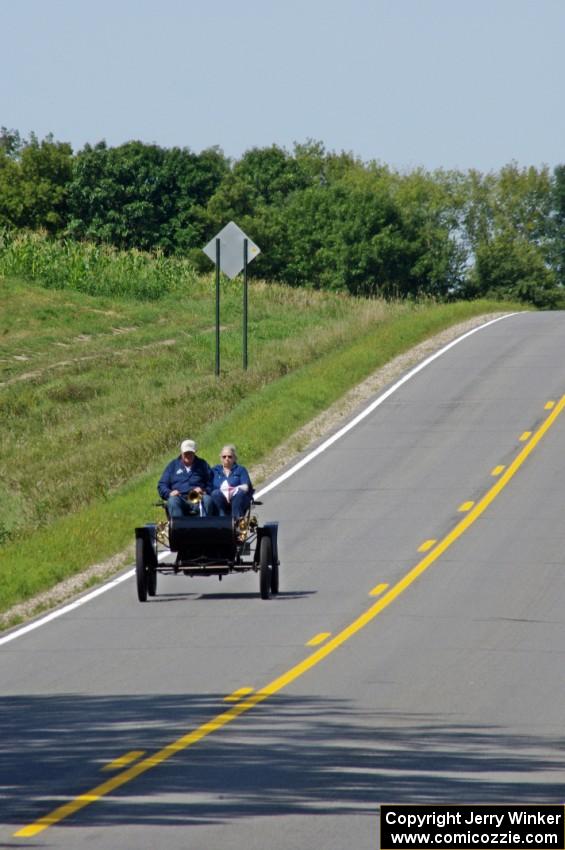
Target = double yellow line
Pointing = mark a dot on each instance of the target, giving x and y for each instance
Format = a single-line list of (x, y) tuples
[(245, 705)]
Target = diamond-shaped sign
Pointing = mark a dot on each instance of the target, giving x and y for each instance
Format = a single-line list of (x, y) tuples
[(231, 249)]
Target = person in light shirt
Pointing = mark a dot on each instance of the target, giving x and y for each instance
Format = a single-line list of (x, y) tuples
[(184, 473), (231, 485)]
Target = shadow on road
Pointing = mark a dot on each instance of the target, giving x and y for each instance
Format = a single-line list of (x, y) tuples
[(290, 755), (191, 597)]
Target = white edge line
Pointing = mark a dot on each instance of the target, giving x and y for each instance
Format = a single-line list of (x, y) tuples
[(66, 609)]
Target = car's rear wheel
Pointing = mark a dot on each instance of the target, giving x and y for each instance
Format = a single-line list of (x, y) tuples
[(140, 570), (265, 558)]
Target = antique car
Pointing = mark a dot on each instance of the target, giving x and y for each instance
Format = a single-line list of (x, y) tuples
[(207, 546)]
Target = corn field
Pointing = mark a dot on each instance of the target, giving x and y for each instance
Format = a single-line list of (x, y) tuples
[(92, 269)]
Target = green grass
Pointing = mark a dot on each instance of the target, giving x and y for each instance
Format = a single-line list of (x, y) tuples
[(92, 389), (97, 392)]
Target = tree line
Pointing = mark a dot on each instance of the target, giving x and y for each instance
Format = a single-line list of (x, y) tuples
[(322, 219)]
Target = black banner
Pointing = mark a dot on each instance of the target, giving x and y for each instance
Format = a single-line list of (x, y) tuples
[(472, 827)]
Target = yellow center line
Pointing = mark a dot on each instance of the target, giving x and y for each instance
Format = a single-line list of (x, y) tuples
[(124, 760), (427, 545), (226, 717), (378, 589), (525, 436), (237, 695), (466, 506), (550, 405), (497, 470), (319, 638)]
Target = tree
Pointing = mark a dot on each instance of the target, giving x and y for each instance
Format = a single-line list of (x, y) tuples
[(558, 223), (337, 237), (34, 180), (143, 196), (431, 208), (11, 143), (508, 231), (262, 177), (508, 266), (363, 229)]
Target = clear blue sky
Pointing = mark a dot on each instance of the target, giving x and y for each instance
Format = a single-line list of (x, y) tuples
[(432, 83)]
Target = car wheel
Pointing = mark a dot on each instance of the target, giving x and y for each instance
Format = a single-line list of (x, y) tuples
[(151, 581), (275, 579), (140, 570), (265, 558)]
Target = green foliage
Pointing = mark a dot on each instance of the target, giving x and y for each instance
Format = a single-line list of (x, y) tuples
[(90, 268), (513, 268), (368, 232), (558, 221), (322, 219), (143, 196), (336, 237), (508, 225), (34, 178), (516, 200), (11, 142), (84, 378)]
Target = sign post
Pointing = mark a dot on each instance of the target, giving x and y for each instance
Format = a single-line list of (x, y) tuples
[(231, 250), (217, 370), (245, 249)]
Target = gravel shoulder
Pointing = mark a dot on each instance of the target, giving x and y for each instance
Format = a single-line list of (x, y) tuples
[(287, 453)]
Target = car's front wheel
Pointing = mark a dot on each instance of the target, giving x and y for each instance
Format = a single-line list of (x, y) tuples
[(265, 560)]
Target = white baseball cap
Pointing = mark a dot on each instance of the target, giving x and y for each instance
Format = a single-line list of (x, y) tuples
[(188, 446)]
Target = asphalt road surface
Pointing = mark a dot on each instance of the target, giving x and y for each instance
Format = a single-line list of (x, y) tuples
[(424, 552)]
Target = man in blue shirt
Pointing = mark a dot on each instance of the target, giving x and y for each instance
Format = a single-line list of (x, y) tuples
[(184, 474)]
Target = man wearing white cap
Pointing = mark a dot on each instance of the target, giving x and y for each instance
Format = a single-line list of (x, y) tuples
[(183, 474)]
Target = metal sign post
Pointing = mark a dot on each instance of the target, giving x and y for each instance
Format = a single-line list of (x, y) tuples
[(231, 250), (217, 306), (245, 245)]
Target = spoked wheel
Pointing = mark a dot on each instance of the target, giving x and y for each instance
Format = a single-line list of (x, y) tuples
[(141, 572), (265, 572)]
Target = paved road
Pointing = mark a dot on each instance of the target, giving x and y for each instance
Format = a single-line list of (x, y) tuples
[(446, 685)]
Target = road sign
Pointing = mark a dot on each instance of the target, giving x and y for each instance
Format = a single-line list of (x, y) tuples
[(232, 241), (231, 251)]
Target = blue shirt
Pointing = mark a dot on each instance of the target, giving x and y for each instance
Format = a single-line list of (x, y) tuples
[(176, 477), (238, 475)]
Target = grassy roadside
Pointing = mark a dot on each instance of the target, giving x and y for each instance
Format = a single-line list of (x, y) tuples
[(268, 410), (93, 388)]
